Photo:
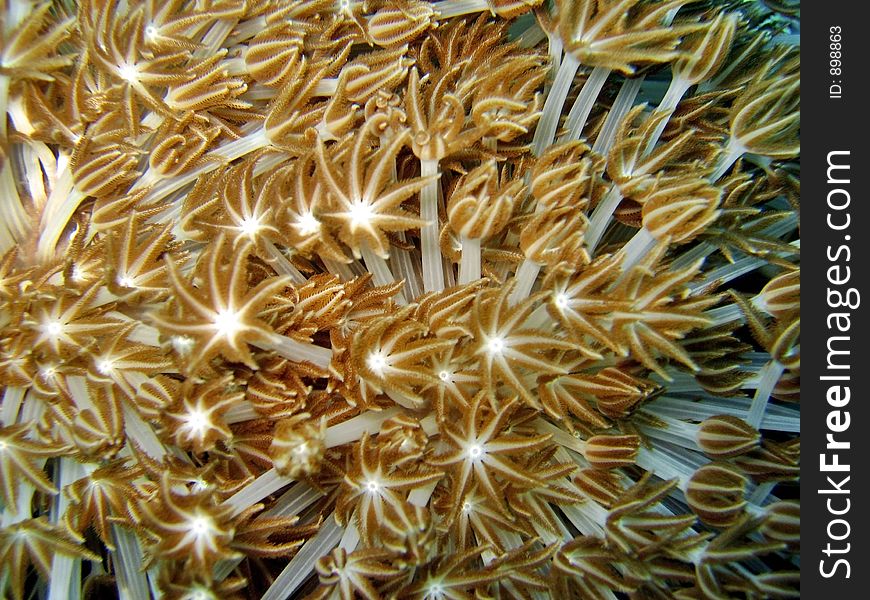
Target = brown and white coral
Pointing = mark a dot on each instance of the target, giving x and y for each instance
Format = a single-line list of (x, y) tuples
[(398, 299)]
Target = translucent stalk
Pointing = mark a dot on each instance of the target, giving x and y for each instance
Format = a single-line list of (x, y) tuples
[(262, 487), (214, 159), (721, 315), (38, 162), (685, 383), (326, 87), (664, 465), (127, 559), (584, 103), (704, 249), (24, 499), (214, 39), (560, 436), (775, 418), (548, 537), (589, 517), (731, 271), (469, 265), (62, 203), (301, 566), (447, 9), (4, 99), (549, 121), (13, 216), (732, 152), (247, 29), (762, 493), (13, 396), (241, 412), (380, 270), (770, 375), (140, 432), (336, 435), (294, 501), (675, 93), (429, 425), (350, 537), (669, 461), (433, 274), (623, 103), (295, 350), (554, 50), (65, 570), (259, 92), (300, 497), (531, 37), (78, 390), (281, 265), (420, 496), (728, 272), (525, 279), (403, 264), (539, 319), (353, 429), (674, 431), (692, 255), (600, 218), (637, 248), (341, 270)]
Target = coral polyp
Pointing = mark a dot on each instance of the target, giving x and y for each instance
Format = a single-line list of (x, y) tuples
[(409, 299)]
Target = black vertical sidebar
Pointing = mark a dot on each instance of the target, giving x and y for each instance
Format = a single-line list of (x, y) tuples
[(835, 298)]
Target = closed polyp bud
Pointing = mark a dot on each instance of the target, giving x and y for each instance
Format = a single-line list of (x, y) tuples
[(715, 494), (479, 207), (724, 436), (611, 451), (680, 212), (783, 523), (555, 235), (298, 446)]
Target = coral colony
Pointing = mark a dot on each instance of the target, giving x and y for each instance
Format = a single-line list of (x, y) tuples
[(399, 299)]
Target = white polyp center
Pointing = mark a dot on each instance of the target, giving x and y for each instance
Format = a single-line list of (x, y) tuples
[(182, 344), (2, 446), (151, 32), (201, 526), (250, 226), (467, 507), (495, 346), (48, 371), (444, 375), (561, 301), (227, 322), (197, 421), (201, 594), (361, 213), (126, 281), (373, 487), (435, 591), (54, 328), (128, 73), (77, 274), (475, 452), (105, 366), (377, 362), (308, 224)]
